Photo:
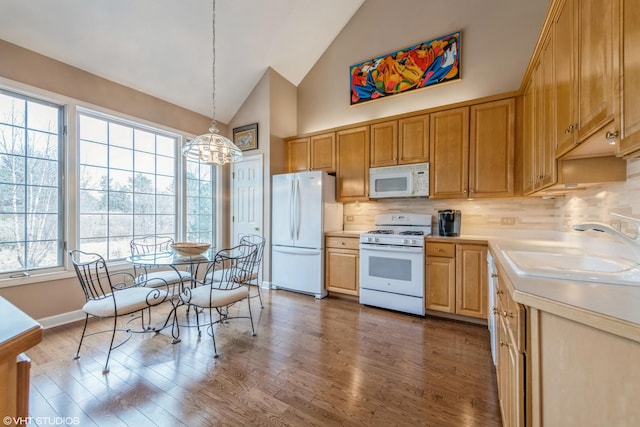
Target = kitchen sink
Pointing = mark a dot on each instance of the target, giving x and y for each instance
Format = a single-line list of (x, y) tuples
[(572, 265)]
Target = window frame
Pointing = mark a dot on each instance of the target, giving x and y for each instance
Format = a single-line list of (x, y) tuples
[(70, 176)]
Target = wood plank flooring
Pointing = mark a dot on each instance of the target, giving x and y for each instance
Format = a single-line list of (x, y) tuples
[(313, 363)]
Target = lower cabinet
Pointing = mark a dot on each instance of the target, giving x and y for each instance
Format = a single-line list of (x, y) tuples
[(342, 260), (456, 279)]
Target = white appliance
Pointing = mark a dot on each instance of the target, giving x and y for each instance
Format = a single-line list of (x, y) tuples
[(303, 208), (392, 263), (491, 321), (399, 181)]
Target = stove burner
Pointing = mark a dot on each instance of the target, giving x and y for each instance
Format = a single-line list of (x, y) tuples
[(412, 233), (380, 232)]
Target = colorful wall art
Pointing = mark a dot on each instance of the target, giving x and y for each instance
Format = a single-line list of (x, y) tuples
[(425, 64)]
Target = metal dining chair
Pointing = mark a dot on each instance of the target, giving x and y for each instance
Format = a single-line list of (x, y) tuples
[(113, 296), (215, 297), (248, 243), (155, 244)]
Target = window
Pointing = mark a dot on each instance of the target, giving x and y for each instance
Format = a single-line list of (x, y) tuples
[(200, 202), (31, 213), (127, 183)]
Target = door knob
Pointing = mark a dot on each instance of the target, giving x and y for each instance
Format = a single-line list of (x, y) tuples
[(257, 228)]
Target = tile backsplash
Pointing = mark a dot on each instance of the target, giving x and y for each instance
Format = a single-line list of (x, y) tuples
[(530, 213)]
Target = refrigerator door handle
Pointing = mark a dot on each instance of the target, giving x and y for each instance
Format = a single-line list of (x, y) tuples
[(299, 212), (291, 198)]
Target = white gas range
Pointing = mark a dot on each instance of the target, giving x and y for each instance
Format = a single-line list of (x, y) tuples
[(392, 262)]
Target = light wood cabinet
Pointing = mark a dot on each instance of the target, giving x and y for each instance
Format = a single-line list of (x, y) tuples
[(630, 141), (510, 352), (456, 279), (297, 155), (342, 265), (384, 144), (352, 173), (449, 146), (492, 149), (315, 153), (440, 276), (400, 142), (413, 139), (471, 280), (564, 29), (473, 151), (528, 140)]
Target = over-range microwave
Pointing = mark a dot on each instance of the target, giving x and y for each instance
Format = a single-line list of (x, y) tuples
[(399, 181)]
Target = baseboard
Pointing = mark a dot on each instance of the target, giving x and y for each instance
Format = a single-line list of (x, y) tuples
[(265, 285), (61, 319)]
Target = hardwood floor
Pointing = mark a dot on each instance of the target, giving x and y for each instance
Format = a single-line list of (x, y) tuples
[(313, 362)]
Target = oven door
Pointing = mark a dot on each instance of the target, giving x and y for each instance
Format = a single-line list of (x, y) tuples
[(394, 269)]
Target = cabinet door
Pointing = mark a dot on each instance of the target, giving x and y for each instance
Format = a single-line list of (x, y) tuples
[(528, 140), (384, 144), (492, 148), (544, 149), (413, 139), (352, 174), (342, 271), (565, 65), (440, 275), (471, 280), (597, 44), (449, 148), (630, 77), (323, 152), (297, 155)]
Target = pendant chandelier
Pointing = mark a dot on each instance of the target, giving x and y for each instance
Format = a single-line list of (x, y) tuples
[(212, 148)]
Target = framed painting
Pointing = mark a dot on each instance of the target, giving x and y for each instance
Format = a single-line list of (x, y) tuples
[(246, 137), (425, 64)]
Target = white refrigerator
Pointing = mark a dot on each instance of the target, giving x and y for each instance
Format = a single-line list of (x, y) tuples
[(304, 207)]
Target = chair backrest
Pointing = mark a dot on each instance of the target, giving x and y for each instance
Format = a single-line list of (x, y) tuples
[(92, 273), (258, 243), (148, 245), (233, 265)]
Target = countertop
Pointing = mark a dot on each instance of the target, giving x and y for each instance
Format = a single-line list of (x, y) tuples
[(611, 308)]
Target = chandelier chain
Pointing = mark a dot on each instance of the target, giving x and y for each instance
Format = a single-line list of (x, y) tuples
[(213, 65)]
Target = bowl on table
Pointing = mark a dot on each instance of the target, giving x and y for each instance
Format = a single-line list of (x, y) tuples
[(189, 248)]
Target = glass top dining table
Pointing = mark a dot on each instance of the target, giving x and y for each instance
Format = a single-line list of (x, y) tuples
[(172, 259)]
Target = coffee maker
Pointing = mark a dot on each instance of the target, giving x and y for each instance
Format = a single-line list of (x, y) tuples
[(449, 222)]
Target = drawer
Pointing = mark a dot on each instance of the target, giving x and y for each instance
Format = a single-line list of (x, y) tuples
[(446, 250), (343, 242)]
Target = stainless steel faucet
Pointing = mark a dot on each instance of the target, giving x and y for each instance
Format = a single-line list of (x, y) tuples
[(633, 242)]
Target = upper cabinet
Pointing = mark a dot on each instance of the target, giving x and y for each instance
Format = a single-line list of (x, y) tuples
[(315, 153), (472, 151), (584, 39), (352, 174), (398, 142), (492, 149), (449, 140), (630, 141), (413, 139)]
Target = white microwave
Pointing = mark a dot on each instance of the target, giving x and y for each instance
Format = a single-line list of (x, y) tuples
[(399, 181)]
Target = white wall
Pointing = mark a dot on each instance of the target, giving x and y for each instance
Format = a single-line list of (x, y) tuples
[(498, 38)]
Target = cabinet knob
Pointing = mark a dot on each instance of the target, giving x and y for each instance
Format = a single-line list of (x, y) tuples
[(499, 291), (504, 344), (342, 243), (494, 275)]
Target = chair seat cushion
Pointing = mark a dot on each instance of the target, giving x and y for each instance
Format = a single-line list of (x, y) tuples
[(168, 276), (219, 297), (127, 301)]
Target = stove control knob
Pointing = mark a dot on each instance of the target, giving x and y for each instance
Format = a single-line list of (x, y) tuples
[(375, 239)]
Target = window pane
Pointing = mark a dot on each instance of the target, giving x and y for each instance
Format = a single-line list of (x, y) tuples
[(166, 146), (200, 217), (30, 184), (130, 204), (93, 129), (93, 154)]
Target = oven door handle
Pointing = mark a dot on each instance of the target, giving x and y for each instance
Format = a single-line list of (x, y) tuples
[(391, 248)]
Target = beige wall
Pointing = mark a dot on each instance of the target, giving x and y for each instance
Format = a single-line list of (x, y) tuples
[(379, 28), (271, 104)]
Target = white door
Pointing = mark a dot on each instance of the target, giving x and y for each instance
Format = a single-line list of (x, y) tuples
[(247, 202)]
